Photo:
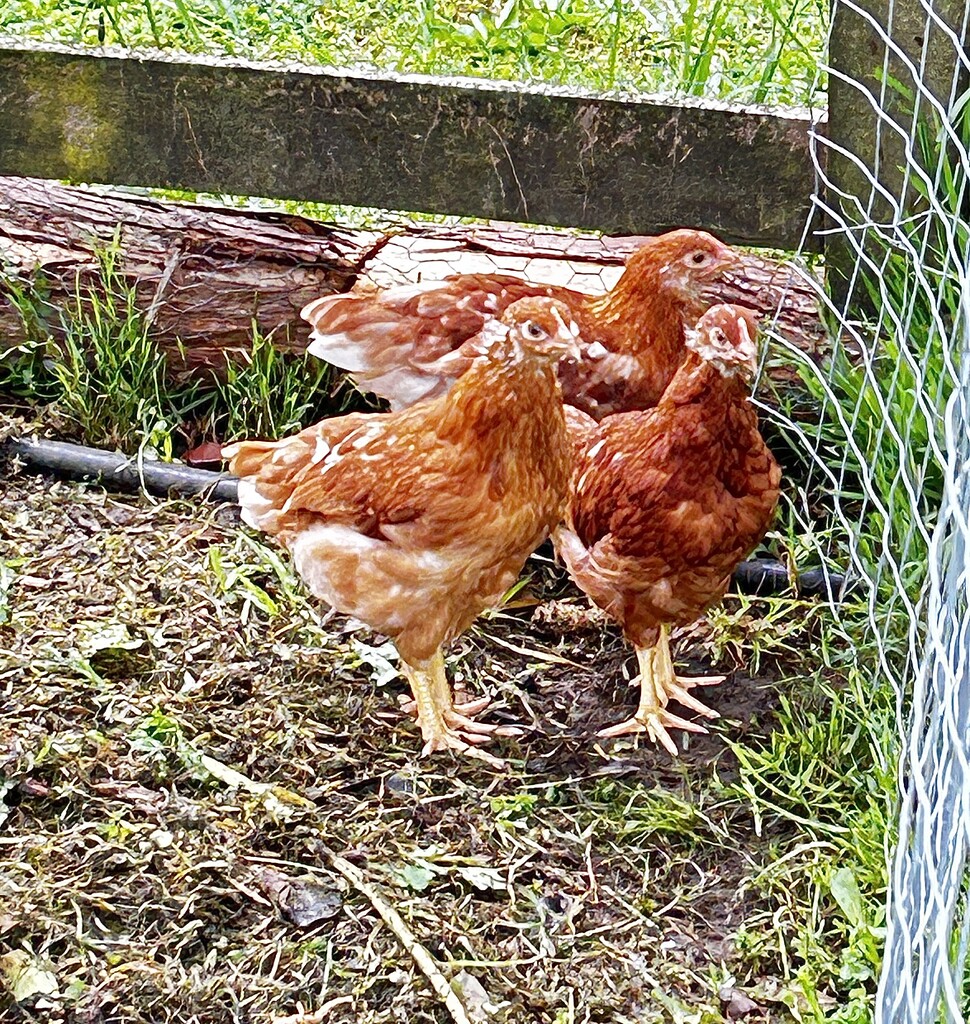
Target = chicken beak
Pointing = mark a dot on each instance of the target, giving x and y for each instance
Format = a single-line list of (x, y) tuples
[(569, 336)]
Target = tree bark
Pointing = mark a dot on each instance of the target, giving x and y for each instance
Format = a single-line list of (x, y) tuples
[(203, 275)]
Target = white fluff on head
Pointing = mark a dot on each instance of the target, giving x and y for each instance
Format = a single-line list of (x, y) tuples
[(710, 341)]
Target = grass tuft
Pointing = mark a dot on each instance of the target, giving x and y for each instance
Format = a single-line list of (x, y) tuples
[(104, 376), (109, 373), (270, 394), (106, 382)]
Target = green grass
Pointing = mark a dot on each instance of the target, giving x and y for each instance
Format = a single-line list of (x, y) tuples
[(270, 394), (721, 49), (101, 378), (106, 378), (823, 783), (830, 768)]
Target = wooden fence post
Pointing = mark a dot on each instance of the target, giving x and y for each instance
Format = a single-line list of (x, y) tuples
[(859, 108)]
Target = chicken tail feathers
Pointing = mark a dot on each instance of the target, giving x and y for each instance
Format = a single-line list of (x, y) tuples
[(352, 330), (266, 479), (246, 457)]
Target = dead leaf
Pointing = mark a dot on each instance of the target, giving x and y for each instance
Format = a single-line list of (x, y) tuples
[(736, 1003), (301, 899), (204, 454), (97, 637), (26, 975), (381, 659), (482, 878), (474, 997)]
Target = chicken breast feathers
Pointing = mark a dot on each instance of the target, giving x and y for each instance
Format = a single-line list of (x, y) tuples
[(666, 502)]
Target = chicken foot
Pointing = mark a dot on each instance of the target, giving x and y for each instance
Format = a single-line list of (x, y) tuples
[(659, 683), (676, 687), (445, 726)]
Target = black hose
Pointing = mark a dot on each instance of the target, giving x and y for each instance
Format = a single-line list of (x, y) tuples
[(118, 471), (760, 577), (764, 577)]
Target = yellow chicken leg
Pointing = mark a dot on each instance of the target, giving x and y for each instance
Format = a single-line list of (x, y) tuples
[(676, 687), (658, 684), (443, 726)]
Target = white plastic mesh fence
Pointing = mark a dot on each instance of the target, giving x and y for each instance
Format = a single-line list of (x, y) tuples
[(892, 448)]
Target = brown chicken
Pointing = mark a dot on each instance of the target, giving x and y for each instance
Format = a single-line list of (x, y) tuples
[(412, 342), (665, 503), (416, 521)]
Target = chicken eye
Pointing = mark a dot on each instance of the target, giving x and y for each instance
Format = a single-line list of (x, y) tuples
[(698, 259), (533, 331)]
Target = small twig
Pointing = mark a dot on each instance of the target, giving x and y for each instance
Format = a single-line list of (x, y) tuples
[(317, 1016), (175, 255), (424, 960), (532, 652)]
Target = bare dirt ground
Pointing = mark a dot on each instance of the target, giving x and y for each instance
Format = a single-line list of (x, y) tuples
[(208, 798)]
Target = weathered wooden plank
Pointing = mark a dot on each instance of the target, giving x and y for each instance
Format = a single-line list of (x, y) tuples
[(541, 155)]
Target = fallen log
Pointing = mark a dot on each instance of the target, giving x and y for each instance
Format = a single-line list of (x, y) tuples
[(204, 275), (759, 576)]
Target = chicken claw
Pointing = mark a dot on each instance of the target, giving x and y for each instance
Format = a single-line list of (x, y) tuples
[(659, 684), (655, 724), (445, 726), (675, 687), (464, 724), (471, 708), (678, 691), (444, 738)]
